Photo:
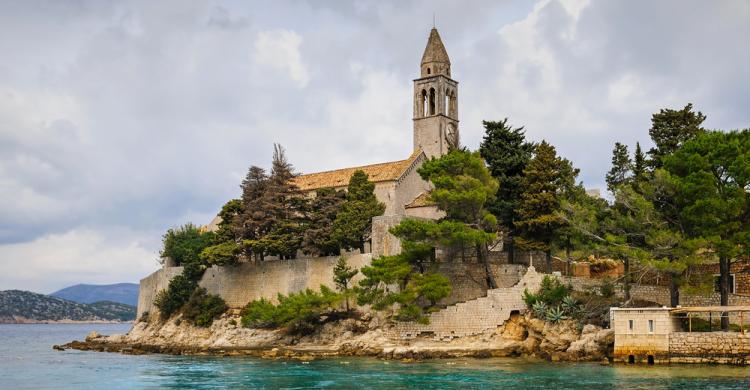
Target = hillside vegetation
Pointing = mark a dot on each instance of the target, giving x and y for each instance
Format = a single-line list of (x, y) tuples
[(24, 306)]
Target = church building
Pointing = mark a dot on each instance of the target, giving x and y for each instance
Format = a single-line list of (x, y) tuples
[(397, 183)]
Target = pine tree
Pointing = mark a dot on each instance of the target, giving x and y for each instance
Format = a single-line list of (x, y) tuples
[(342, 275), (353, 224), (538, 210), (229, 212), (506, 152), (639, 165), (319, 239), (253, 223), (273, 223), (712, 176), (619, 174), (463, 188), (670, 129)]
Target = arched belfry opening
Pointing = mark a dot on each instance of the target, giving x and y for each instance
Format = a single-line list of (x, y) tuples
[(432, 101), (423, 104)]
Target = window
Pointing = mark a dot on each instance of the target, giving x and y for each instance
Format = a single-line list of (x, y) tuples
[(428, 70), (650, 326), (630, 325), (432, 101), (717, 286)]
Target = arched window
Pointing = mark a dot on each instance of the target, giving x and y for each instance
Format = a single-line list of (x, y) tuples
[(428, 70), (453, 105), (423, 104), (432, 101), (446, 107)]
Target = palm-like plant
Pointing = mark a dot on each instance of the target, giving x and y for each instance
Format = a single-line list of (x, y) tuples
[(569, 304), (555, 315), (539, 309)]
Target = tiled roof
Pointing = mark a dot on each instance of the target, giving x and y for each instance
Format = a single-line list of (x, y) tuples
[(389, 171), (422, 200)]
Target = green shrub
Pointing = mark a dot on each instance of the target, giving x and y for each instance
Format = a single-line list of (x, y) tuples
[(297, 311), (552, 291), (259, 314), (411, 313), (170, 300), (607, 289), (226, 253), (184, 244), (202, 308)]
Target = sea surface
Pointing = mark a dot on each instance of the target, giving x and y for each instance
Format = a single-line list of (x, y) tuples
[(27, 361)]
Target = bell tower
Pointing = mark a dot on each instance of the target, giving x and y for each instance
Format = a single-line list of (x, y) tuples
[(435, 101)]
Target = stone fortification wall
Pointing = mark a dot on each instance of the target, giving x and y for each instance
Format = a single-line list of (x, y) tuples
[(710, 347), (152, 284), (245, 282), (475, 316)]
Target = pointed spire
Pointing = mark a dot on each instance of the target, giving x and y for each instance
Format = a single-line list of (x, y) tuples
[(435, 57)]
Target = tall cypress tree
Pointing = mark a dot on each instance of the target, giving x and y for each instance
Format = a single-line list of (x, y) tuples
[(506, 152), (539, 207), (621, 167), (353, 224)]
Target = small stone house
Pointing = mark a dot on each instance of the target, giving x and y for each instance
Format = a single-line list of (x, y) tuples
[(666, 335), (642, 334)]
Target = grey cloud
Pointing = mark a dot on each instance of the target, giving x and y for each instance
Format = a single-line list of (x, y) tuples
[(138, 116)]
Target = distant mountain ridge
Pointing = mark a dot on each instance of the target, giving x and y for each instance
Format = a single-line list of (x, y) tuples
[(18, 306), (126, 293)]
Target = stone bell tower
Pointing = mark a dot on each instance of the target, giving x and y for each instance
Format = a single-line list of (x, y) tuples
[(435, 101)]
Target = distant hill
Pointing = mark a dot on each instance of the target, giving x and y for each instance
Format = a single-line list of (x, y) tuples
[(24, 306), (126, 293)]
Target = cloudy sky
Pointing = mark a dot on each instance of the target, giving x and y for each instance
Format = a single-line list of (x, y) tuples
[(120, 119)]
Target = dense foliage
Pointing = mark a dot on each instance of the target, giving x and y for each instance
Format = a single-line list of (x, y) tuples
[(299, 312), (353, 224), (185, 243), (507, 153), (202, 308)]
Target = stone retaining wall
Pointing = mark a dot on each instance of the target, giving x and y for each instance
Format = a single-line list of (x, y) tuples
[(472, 317), (710, 347), (660, 294)]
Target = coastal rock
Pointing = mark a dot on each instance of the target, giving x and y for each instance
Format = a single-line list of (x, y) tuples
[(93, 335)]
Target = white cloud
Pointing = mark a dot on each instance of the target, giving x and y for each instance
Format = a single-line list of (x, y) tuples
[(279, 49), (79, 256)]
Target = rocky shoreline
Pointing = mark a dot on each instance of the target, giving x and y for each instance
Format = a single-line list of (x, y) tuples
[(521, 336)]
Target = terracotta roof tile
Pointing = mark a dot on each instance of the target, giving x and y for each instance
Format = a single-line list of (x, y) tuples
[(422, 200), (339, 178)]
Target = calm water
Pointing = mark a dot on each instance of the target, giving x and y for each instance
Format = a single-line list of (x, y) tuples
[(27, 361)]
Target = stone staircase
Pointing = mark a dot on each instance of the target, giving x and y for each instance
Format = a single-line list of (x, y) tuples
[(475, 316)]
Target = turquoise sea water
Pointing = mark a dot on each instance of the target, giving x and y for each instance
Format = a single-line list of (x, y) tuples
[(27, 361)]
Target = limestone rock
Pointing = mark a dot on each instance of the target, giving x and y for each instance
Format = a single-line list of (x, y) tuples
[(93, 335)]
